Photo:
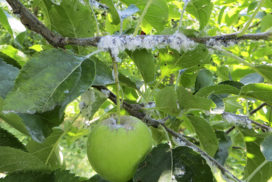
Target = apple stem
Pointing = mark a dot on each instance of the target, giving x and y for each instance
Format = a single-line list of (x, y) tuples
[(116, 78)]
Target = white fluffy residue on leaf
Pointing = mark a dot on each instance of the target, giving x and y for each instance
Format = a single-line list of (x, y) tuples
[(239, 120), (117, 44)]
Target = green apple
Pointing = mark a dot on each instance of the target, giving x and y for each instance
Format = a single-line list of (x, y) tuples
[(114, 150)]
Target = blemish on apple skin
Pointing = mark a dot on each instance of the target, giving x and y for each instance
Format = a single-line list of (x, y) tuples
[(114, 126)]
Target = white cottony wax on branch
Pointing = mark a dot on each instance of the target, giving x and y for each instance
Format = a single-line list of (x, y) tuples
[(239, 120), (117, 44)]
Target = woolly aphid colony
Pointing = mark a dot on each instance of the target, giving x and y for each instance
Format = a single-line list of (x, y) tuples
[(117, 44)]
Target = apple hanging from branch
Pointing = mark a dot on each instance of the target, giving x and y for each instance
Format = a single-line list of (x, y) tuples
[(115, 149)]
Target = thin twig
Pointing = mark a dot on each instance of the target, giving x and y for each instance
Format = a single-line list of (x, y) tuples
[(243, 120), (264, 127), (230, 130), (182, 12), (257, 109)]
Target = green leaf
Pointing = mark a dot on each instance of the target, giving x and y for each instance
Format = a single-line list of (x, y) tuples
[(44, 6), (255, 157), (64, 176), (145, 62), (203, 79), (113, 11), (12, 119), (72, 19), (8, 74), (126, 81), (4, 22), (232, 16), (252, 78), (240, 71), (9, 140), (154, 15), (223, 73), (38, 126), (41, 84), (91, 101), (166, 100), (13, 53), (9, 60), (28, 176), (232, 83), (205, 134), (201, 9), (268, 3), (104, 75), (182, 162), (223, 149), (232, 104), (96, 178), (174, 12), (16, 160), (266, 22), (265, 71), (190, 166), (266, 148), (27, 124), (196, 57), (52, 118), (87, 76), (260, 91), (218, 100), (187, 101), (41, 176), (160, 159), (217, 89), (168, 62), (48, 151), (188, 77), (221, 14), (252, 6)]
